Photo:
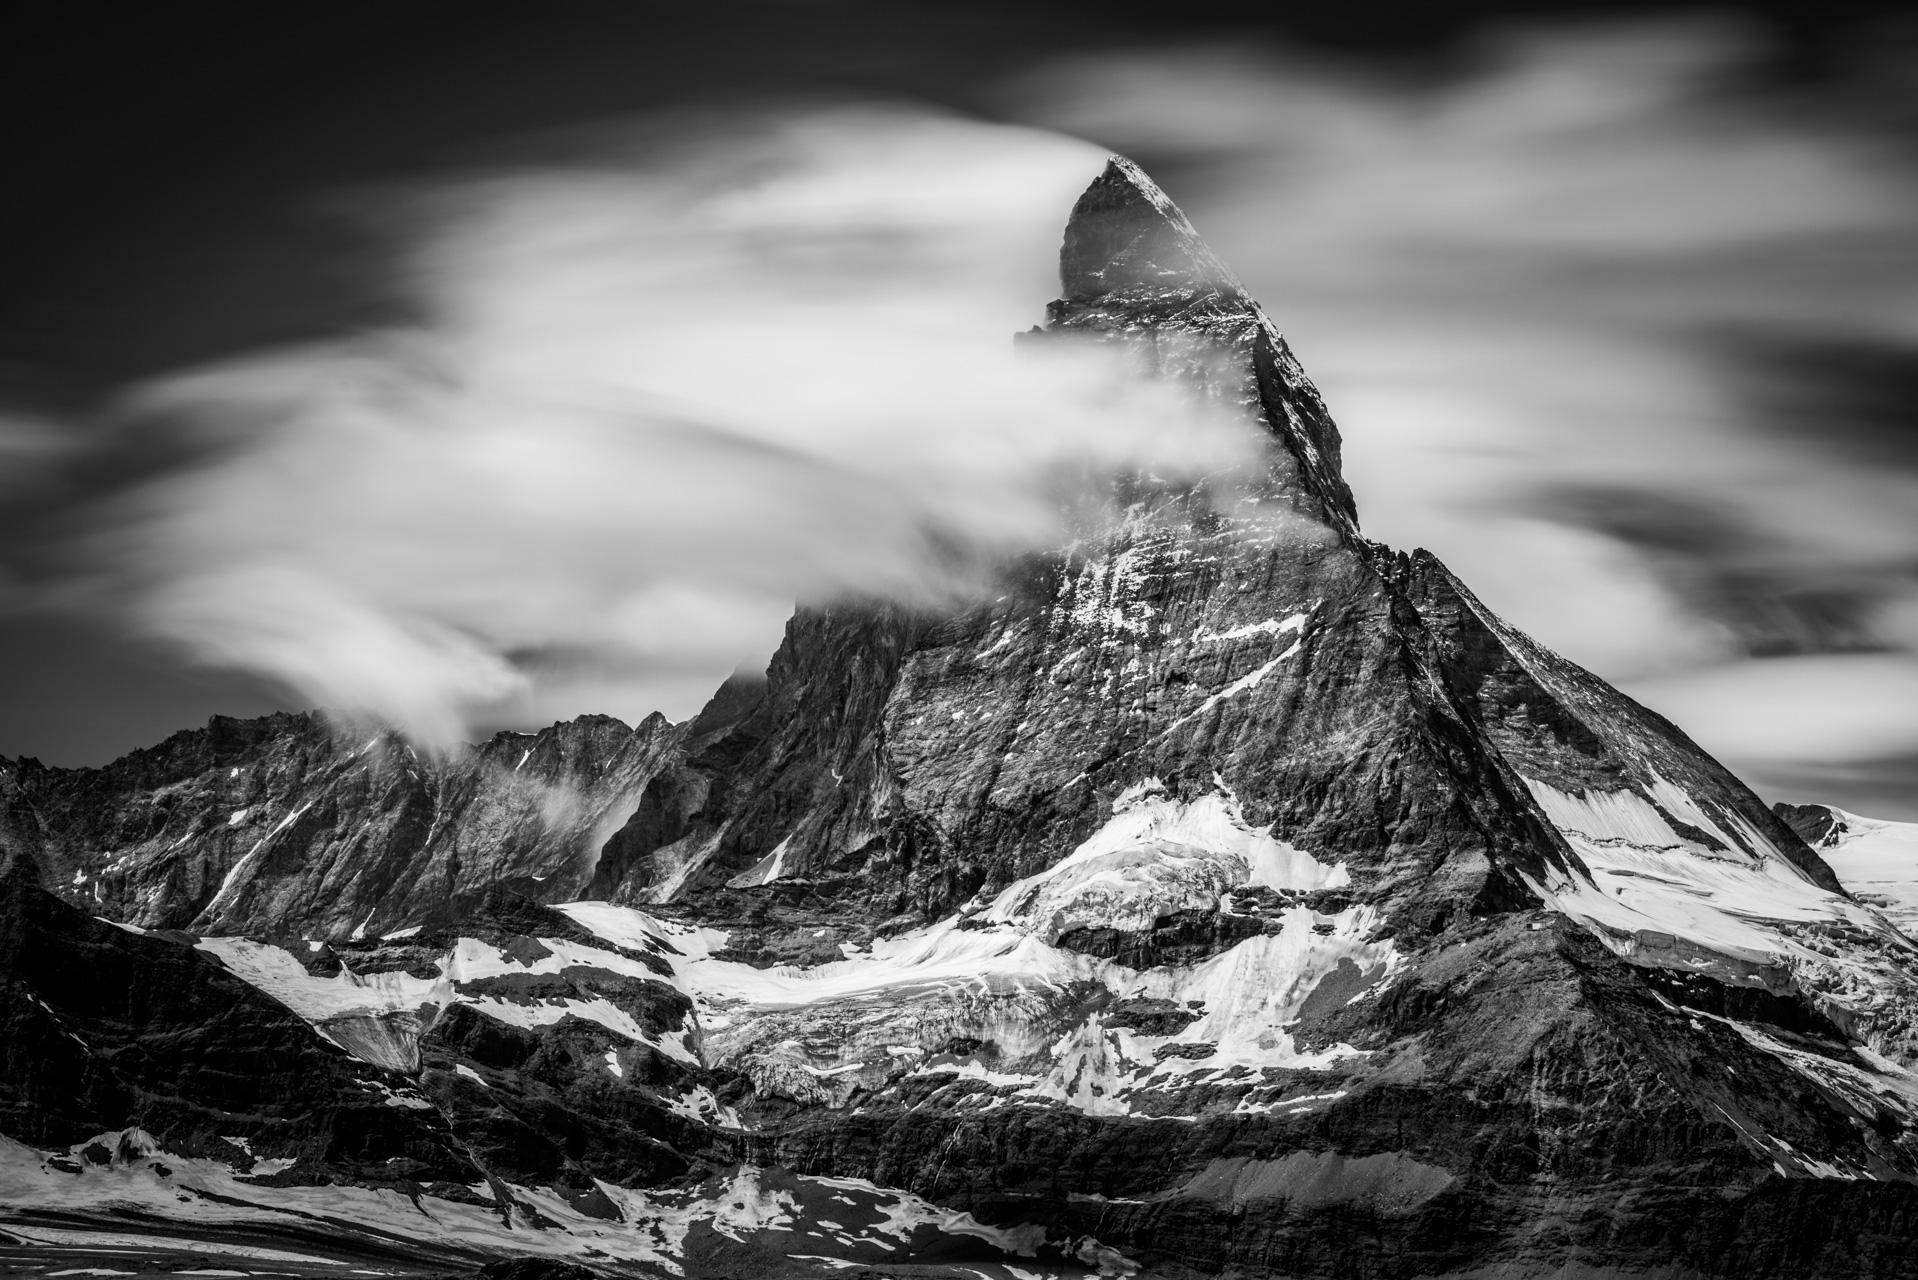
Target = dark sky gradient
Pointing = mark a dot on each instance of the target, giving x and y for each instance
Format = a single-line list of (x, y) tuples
[(174, 172), (172, 163)]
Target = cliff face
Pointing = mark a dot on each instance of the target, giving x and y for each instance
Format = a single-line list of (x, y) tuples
[(1232, 894), (1230, 639), (307, 826)]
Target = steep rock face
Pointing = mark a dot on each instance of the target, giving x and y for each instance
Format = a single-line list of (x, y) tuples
[(550, 1103), (104, 1028), (1234, 638), (1230, 895), (1521, 1097), (1554, 723), (307, 826)]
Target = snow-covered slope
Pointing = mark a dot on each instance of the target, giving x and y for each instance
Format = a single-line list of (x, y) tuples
[(1155, 856), (1716, 900), (991, 1002), (62, 1206), (1877, 860)]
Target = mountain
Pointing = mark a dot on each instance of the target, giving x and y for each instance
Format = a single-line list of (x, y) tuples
[(1231, 895), (302, 824)]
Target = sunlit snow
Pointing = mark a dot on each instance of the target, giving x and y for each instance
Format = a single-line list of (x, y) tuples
[(1154, 856)]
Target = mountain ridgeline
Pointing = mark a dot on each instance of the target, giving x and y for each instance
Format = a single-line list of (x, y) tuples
[(1232, 895)]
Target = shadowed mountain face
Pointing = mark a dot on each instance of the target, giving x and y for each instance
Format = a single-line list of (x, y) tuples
[(1232, 894)]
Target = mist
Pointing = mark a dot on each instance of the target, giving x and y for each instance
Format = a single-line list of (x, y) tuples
[(707, 366)]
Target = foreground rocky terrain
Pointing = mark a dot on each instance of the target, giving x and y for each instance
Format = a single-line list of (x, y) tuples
[(1232, 895)]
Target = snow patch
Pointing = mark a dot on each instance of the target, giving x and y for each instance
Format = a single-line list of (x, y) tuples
[(1252, 995), (1877, 861), (1660, 897), (1156, 855), (1269, 627), (622, 926), (765, 871), (940, 956), (699, 1103), (348, 994)]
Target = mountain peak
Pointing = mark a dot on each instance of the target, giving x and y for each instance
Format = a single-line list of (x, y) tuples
[(1126, 236), (1222, 815)]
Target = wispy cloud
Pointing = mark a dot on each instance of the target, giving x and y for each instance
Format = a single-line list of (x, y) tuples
[(654, 395), (1616, 330), (1626, 336)]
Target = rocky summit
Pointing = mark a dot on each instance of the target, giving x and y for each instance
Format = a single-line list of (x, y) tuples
[(1231, 895)]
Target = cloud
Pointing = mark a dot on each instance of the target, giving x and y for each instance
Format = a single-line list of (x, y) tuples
[(1836, 708), (1620, 332), (654, 395), (1822, 728)]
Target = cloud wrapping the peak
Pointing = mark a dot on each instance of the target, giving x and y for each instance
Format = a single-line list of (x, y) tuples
[(1623, 331), (653, 397)]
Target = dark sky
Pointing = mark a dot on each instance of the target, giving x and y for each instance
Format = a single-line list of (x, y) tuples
[(170, 163), (173, 171)]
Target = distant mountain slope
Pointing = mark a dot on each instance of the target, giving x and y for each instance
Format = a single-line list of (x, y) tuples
[(307, 824)]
